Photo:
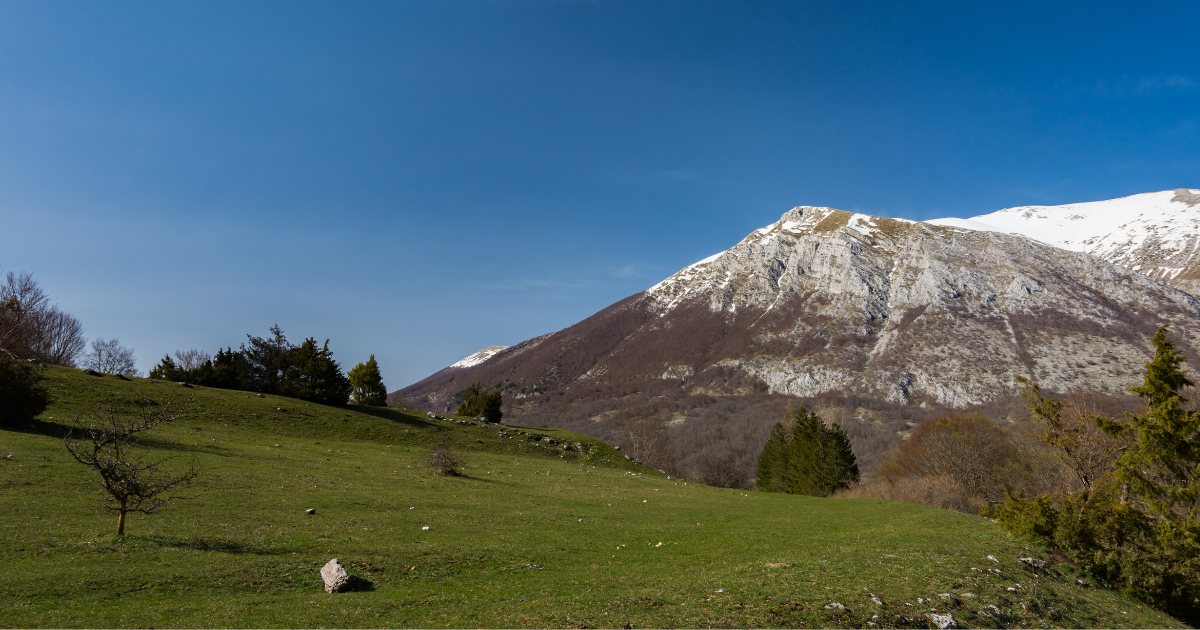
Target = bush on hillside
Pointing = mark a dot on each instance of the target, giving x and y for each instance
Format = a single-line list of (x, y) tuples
[(812, 458), (478, 402), (444, 461), (1136, 525), (366, 384), (720, 469), (22, 393)]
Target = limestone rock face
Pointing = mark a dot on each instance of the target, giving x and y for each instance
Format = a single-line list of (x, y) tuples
[(335, 576), (830, 301)]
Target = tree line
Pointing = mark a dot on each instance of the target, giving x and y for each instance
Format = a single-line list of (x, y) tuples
[(273, 365)]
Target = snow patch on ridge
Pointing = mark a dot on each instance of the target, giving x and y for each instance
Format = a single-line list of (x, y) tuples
[(479, 357)]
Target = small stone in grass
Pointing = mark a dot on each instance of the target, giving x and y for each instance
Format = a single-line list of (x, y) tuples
[(310, 511), (425, 528)]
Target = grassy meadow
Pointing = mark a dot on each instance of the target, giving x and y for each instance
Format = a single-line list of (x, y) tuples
[(531, 535)]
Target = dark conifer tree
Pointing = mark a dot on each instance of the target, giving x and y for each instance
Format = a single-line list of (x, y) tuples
[(815, 460), (314, 375), (769, 474)]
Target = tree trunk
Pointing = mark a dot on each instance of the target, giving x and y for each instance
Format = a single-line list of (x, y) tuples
[(121, 522)]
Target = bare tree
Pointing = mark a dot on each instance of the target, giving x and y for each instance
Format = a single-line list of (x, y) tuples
[(111, 357), (721, 469), (60, 339), (648, 444), (32, 328), (188, 360), (21, 299), (134, 482)]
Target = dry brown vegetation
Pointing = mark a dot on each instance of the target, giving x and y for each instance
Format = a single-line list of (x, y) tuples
[(965, 461)]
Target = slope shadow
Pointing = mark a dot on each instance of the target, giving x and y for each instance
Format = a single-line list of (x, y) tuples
[(395, 415), (219, 545)]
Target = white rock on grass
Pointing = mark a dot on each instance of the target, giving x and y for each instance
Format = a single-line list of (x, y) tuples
[(335, 576), (943, 622)]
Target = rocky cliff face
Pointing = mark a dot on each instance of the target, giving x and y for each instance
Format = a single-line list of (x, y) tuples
[(829, 301)]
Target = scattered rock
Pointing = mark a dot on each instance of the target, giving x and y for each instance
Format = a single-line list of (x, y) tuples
[(261, 396), (922, 601), (183, 384), (875, 600), (943, 622), (720, 590), (1034, 562), (1082, 583), (992, 611), (533, 566), (335, 576), (993, 559), (1053, 613), (616, 448), (310, 511), (954, 601), (901, 620), (835, 606)]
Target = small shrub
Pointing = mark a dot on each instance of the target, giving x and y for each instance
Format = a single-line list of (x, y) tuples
[(443, 461)]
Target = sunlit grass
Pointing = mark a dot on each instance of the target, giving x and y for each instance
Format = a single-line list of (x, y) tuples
[(243, 552)]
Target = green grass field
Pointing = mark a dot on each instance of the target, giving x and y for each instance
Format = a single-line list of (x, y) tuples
[(616, 544)]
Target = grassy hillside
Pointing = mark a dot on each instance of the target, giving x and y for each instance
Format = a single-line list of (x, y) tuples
[(530, 536)]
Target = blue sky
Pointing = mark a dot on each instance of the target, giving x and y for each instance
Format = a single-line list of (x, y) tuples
[(421, 180)]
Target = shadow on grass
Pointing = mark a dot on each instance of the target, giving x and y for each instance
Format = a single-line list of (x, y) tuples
[(41, 427), (358, 585), (395, 415), (203, 543)]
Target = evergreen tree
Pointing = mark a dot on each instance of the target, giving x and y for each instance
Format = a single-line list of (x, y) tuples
[(166, 370), (366, 384), (814, 459), (267, 360), (314, 375), (1136, 527), (769, 474), (1163, 465), (479, 402)]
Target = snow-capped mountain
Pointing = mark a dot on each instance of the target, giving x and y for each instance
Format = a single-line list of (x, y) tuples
[(830, 302), (1157, 234)]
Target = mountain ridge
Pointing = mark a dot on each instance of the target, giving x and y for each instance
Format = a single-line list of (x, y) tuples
[(825, 300)]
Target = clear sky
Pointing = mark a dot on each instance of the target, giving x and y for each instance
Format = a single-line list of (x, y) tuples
[(422, 180)]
